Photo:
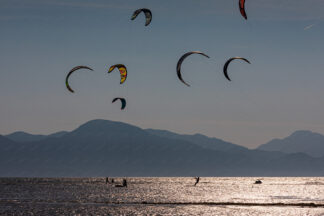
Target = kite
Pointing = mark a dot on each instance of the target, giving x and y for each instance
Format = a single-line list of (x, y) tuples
[(182, 59), (242, 8), (69, 74), (123, 101), (228, 62), (123, 71), (147, 12)]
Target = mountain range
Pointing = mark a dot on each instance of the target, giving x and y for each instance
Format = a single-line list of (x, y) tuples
[(299, 141), (108, 148)]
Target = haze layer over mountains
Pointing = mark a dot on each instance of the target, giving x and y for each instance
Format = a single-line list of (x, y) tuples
[(107, 148)]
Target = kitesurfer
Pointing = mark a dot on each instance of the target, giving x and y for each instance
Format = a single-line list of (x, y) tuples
[(124, 184), (258, 181), (197, 180)]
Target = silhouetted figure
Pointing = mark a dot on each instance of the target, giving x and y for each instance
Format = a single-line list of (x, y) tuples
[(112, 181), (122, 185), (258, 181), (107, 180), (197, 180)]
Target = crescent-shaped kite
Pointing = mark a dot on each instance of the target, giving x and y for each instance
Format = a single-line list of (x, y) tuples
[(148, 15), (182, 59), (228, 62), (242, 8), (69, 74), (123, 71), (123, 101)]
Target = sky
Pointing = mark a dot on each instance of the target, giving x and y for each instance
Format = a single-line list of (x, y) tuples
[(281, 91)]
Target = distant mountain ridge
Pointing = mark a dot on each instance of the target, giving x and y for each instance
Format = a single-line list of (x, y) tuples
[(300, 141), (199, 139), (21, 136), (108, 148)]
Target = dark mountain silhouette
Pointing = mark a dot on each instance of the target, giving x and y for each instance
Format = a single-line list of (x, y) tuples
[(107, 148), (20, 136), (200, 140), (300, 141), (4, 141)]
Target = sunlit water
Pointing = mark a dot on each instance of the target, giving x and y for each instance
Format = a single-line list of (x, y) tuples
[(162, 196)]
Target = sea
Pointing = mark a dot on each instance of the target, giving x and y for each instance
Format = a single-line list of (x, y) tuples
[(162, 196)]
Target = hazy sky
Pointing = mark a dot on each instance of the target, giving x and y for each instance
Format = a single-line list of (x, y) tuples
[(280, 92)]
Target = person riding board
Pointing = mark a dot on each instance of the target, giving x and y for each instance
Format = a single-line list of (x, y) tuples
[(197, 180)]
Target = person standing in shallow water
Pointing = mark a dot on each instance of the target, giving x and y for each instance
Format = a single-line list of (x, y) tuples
[(111, 181), (124, 183)]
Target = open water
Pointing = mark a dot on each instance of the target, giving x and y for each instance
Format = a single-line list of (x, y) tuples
[(162, 196)]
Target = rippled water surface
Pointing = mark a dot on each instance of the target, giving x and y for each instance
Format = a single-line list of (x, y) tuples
[(162, 196)]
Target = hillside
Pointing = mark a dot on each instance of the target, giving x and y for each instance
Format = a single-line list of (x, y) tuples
[(300, 141), (108, 148)]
